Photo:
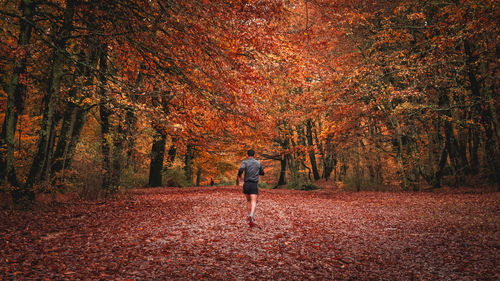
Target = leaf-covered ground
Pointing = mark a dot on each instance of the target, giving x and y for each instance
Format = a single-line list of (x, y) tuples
[(200, 233)]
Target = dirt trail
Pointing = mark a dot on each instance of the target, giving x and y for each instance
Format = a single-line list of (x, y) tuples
[(200, 233)]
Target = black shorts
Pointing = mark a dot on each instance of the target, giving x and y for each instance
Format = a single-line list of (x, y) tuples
[(250, 187)]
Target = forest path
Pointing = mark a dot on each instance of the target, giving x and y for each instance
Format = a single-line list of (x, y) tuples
[(201, 233)]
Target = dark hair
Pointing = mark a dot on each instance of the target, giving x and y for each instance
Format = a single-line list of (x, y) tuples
[(250, 152)]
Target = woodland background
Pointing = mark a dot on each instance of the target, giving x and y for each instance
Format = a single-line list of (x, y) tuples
[(97, 96)]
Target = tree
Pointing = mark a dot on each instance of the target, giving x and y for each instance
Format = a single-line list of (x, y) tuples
[(15, 91)]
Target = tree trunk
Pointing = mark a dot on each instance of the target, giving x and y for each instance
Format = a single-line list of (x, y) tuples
[(129, 131), (52, 97), (282, 179), (172, 152), (117, 157), (131, 121), (436, 183), (329, 160), (473, 151), (104, 113), (68, 123), (488, 116), (440, 143), (68, 140), (198, 176), (105, 147), (45, 171), (81, 117), (312, 155), (15, 92), (401, 161), (285, 145), (157, 157), (188, 164), (74, 116)]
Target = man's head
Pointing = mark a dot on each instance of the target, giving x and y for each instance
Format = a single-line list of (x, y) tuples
[(251, 153)]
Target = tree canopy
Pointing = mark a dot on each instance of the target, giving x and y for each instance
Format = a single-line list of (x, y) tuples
[(107, 94)]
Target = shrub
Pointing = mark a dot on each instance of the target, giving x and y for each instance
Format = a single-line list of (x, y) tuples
[(353, 183), (175, 178), (264, 185), (89, 184), (298, 185), (129, 178)]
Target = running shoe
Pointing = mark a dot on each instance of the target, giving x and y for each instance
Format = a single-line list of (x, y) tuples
[(250, 221)]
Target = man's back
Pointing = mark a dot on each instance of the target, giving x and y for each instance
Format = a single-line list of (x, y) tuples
[(252, 169)]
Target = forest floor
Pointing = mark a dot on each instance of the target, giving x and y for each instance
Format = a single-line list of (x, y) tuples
[(201, 233)]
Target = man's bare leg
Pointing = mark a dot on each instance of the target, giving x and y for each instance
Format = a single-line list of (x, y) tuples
[(253, 204), (249, 204)]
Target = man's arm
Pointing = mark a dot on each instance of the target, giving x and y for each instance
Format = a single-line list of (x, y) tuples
[(240, 172), (261, 171)]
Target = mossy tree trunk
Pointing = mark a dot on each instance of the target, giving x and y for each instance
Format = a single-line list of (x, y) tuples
[(42, 154), (75, 115), (15, 92)]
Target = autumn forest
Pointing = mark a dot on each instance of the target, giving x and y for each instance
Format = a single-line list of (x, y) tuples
[(143, 102), (151, 93)]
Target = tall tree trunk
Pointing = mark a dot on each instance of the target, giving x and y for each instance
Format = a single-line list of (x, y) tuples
[(130, 124), (453, 152), (329, 159), (401, 161), (285, 145), (440, 141), (74, 120), (492, 158), (198, 176), (293, 161), (473, 151), (15, 92), (462, 150), (117, 157), (157, 157), (105, 146), (301, 155), (343, 168), (188, 163), (45, 171), (436, 142), (374, 130), (75, 115), (68, 123), (104, 113), (436, 183), (492, 145), (282, 178), (52, 97), (488, 116), (312, 155), (81, 116), (172, 152)]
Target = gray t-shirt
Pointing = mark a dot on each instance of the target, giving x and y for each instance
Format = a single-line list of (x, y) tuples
[(252, 169)]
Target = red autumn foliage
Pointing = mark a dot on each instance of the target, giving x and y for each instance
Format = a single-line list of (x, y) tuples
[(200, 233)]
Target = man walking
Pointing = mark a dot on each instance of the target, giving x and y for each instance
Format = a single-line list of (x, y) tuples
[(252, 169)]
